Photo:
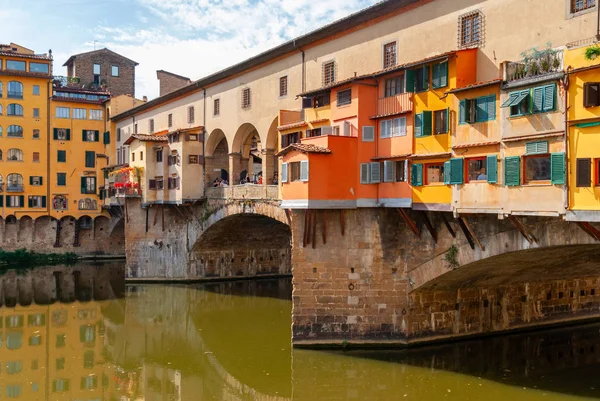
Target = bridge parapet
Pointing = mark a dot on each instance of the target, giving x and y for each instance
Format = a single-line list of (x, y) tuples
[(247, 191)]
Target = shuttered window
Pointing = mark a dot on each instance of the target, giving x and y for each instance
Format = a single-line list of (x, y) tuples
[(584, 173), (304, 170), (557, 168), (427, 122), (389, 171), (536, 148), (365, 173), (456, 171), (492, 169), (368, 134), (385, 129), (439, 75), (375, 173), (399, 126), (61, 156), (344, 97), (106, 137), (416, 177), (90, 159), (591, 94), (441, 121), (284, 172), (418, 125), (512, 171), (61, 179)]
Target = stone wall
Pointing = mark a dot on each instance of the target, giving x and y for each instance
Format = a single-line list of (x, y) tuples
[(170, 82), (124, 84)]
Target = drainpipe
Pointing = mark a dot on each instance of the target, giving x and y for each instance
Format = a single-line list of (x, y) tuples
[(376, 130), (204, 143), (303, 71), (48, 130), (567, 143)]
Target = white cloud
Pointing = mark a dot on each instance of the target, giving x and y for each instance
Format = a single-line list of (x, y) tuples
[(198, 37)]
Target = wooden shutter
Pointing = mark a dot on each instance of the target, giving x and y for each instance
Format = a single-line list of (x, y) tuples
[(368, 133), (591, 94), (364, 173), (187, 137), (447, 176), (43, 205), (284, 172), (307, 102), (152, 184), (512, 171), (584, 173), (491, 107), (55, 134), (557, 168), (83, 186), (375, 173), (347, 130), (68, 134), (435, 75), (418, 125), (549, 97), (481, 107), (106, 137), (410, 81), (83, 135), (304, 170), (30, 204), (96, 136), (425, 72), (443, 74), (1, 200), (536, 148), (416, 175), (21, 200), (327, 130), (427, 122), (462, 112), (389, 171), (30, 180), (538, 99), (492, 169), (456, 171)]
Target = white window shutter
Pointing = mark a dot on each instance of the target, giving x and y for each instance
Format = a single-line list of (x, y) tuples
[(347, 127), (385, 129), (400, 126), (389, 171), (364, 173), (327, 130), (375, 173), (284, 172), (368, 134), (304, 170)]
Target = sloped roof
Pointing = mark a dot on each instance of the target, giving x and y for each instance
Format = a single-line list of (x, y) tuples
[(105, 50), (146, 138), (304, 148), (476, 85), (172, 74)]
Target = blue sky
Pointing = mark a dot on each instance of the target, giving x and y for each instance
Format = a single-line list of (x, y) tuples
[(188, 37)]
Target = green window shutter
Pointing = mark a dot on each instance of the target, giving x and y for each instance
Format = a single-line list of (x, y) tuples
[(536, 148), (30, 204), (491, 107), (90, 158), (435, 75), (447, 169), (492, 169), (447, 120), (83, 186), (68, 134), (557, 168), (62, 156), (512, 171), (96, 136), (1, 200), (538, 99), (21, 200), (418, 125), (55, 133), (107, 137), (410, 81), (512, 98), (44, 205), (427, 123), (444, 74), (481, 106), (417, 175), (425, 72), (462, 112), (94, 182), (456, 171), (549, 97), (30, 180), (41, 180), (83, 136)]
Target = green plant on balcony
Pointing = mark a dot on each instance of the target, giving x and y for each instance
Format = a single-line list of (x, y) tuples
[(592, 52)]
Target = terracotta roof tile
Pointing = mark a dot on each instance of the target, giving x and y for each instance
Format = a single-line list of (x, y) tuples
[(34, 56), (320, 120), (304, 148), (474, 145), (294, 125), (402, 156), (431, 155), (476, 85), (146, 138)]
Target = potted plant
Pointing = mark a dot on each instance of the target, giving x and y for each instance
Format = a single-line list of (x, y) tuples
[(592, 52)]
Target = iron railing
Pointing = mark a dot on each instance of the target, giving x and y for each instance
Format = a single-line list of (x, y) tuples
[(535, 64)]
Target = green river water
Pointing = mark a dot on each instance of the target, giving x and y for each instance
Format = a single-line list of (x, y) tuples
[(231, 341)]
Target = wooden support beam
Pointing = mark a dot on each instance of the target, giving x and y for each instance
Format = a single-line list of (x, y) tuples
[(314, 229), (448, 226), (427, 222), (409, 222), (468, 226), (515, 222), (156, 216), (162, 209), (342, 222), (306, 223), (590, 230), (288, 214), (324, 226), (465, 231)]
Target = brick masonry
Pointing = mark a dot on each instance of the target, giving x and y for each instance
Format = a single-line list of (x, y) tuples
[(171, 82)]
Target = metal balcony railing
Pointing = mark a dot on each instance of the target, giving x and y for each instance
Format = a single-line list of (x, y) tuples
[(14, 188), (15, 95), (535, 64), (247, 191), (394, 104)]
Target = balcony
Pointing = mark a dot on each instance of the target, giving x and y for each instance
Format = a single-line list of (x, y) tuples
[(396, 104), (247, 191), (288, 117), (14, 188), (15, 95), (535, 65), (61, 80)]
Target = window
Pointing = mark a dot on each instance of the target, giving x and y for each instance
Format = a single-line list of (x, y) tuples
[(90, 159), (14, 321), (394, 86), (439, 75), (288, 139), (15, 65), (389, 55), (591, 94), (60, 385), (36, 157), (581, 5), (160, 183), (151, 125), (15, 90), (132, 156), (14, 109), (311, 133), (393, 171), (87, 203), (88, 359), (141, 155), (36, 112), (584, 173), (537, 168), (14, 367), (394, 127), (15, 201), (170, 120), (36, 134), (321, 100), (434, 173), (246, 99), (423, 124), (135, 130), (401, 167), (35, 180), (14, 340), (441, 121), (477, 110), (114, 70), (61, 179), (62, 134), (60, 202), (14, 131), (60, 340), (159, 156), (118, 134), (14, 155), (470, 29), (87, 334), (193, 159), (88, 185), (37, 201), (537, 100), (95, 114), (13, 391), (90, 135), (422, 79), (60, 362), (96, 69), (62, 112), (328, 73), (191, 114), (597, 172), (476, 169), (294, 171), (216, 107), (0, 109), (344, 97), (79, 114), (89, 382), (1, 84), (370, 173), (35, 339), (36, 90), (283, 86), (39, 67), (61, 156), (173, 182)]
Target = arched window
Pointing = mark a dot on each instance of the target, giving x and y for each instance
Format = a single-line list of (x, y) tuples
[(0, 130), (0, 106), (15, 155), (59, 202), (85, 222), (14, 109), (15, 131), (1, 182), (12, 219), (15, 90), (0, 88), (0, 161), (88, 204), (14, 182)]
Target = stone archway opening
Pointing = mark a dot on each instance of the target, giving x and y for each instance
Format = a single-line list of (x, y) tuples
[(217, 158), (243, 245)]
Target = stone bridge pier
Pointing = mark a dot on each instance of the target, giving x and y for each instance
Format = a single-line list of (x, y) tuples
[(387, 276), (230, 235)]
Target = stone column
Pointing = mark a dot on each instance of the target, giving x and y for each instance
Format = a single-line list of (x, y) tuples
[(269, 165), (248, 165), (209, 165), (235, 168)]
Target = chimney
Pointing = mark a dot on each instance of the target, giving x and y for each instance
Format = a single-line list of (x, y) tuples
[(145, 98)]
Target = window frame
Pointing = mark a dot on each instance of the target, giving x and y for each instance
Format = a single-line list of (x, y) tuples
[(426, 176), (475, 18), (283, 86), (66, 111), (393, 86), (294, 172), (596, 177), (524, 159), (94, 65), (246, 98), (573, 12), (112, 70), (342, 95), (388, 62), (467, 179), (328, 72), (216, 107), (446, 116)]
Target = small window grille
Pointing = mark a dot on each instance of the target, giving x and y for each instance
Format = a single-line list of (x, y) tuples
[(217, 107), (471, 30), (246, 101), (328, 73), (581, 5), (283, 86), (389, 55)]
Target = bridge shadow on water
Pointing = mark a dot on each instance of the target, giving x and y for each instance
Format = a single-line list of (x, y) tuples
[(266, 287)]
